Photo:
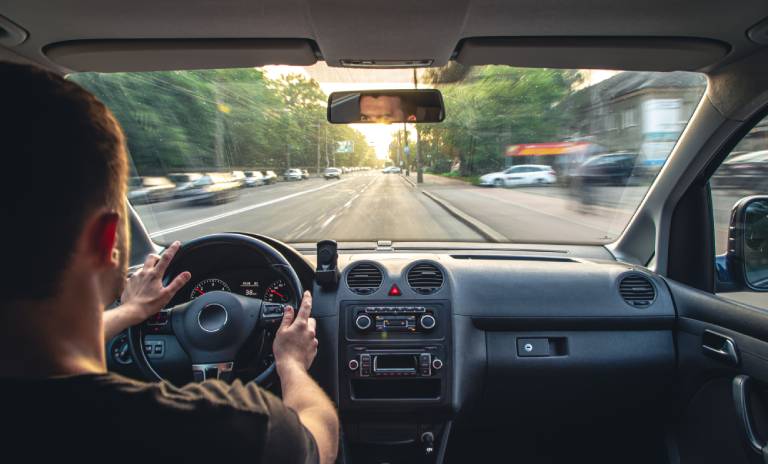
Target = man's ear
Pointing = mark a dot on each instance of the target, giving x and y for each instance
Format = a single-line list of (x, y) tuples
[(103, 237)]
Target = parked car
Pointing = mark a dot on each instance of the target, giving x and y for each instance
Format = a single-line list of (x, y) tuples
[(391, 170), (142, 190), (304, 174), (183, 181), (608, 169), (524, 174), (214, 188), (269, 177), (254, 178), (745, 171), (293, 174), (240, 177), (332, 173)]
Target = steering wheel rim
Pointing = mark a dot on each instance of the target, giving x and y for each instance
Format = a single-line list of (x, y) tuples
[(275, 259)]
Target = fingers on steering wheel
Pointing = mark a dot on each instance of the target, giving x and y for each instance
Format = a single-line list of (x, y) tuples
[(178, 282), (167, 257), (150, 262), (288, 315), (306, 306)]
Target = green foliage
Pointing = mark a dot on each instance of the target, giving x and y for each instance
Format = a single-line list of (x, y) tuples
[(223, 119), (490, 107)]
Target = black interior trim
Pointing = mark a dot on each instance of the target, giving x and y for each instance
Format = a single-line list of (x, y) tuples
[(574, 323)]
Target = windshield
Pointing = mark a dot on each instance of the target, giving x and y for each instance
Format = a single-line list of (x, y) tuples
[(273, 119)]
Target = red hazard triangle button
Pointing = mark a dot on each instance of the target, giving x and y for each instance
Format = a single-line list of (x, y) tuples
[(395, 291)]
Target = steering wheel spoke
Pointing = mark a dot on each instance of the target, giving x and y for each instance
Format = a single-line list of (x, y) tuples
[(222, 371)]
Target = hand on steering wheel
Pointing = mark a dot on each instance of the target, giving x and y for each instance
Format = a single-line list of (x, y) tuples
[(212, 329)]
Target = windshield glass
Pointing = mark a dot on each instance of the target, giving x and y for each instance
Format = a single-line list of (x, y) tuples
[(560, 124)]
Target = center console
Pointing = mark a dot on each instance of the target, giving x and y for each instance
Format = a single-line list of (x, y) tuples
[(395, 377)]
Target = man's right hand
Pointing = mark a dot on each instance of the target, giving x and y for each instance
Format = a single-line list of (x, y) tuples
[(295, 343)]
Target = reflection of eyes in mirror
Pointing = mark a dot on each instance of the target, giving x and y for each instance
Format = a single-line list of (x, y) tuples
[(384, 109)]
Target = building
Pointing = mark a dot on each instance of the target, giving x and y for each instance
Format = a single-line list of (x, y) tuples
[(640, 112)]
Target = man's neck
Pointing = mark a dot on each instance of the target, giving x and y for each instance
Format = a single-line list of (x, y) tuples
[(57, 337)]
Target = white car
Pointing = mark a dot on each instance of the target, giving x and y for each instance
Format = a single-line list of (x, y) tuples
[(524, 174), (391, 170), (254, 178), (293, 174)]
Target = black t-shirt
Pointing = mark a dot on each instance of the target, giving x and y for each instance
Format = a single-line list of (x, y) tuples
[(109, 418)]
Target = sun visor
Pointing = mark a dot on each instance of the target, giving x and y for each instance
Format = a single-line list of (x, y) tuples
[(635, 53), (166, 55)]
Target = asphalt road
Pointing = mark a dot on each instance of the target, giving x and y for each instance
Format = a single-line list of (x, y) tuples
[(364, 206), (372, 206)]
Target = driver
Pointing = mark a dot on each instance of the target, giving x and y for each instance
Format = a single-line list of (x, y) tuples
[(66, 249)]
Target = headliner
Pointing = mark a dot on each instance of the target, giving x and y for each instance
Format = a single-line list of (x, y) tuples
[(384, 30)]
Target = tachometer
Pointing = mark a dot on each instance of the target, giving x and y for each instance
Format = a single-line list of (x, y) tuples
[(278, 292), (208, 285)]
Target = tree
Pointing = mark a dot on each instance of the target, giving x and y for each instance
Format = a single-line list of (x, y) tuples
[(493, 106), (220, 119)]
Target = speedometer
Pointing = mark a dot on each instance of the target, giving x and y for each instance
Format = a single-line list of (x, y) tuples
[(278, 292), (208, 285)]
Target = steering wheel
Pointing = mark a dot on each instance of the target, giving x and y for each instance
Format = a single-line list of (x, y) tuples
[(213, 328)]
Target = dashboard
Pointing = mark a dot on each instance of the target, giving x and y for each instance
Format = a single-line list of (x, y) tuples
[(411, 341)]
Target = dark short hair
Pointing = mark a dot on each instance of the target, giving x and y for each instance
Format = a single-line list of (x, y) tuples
[(63, 157)]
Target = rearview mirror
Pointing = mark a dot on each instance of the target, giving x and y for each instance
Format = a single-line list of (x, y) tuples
[(747, 255), (386, 106)]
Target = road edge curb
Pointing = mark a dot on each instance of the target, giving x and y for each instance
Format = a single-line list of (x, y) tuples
[(481, 228)]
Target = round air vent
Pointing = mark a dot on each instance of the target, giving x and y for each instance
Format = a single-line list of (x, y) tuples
[(637, 290), (364, 278), (425, 278)]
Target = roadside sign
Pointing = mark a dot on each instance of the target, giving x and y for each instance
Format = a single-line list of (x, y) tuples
[(345, 146)]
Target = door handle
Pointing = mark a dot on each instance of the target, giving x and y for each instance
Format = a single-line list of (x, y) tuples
[(719, 346), (741, 391)]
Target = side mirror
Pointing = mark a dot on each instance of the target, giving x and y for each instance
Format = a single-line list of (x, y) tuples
[(745, 263)]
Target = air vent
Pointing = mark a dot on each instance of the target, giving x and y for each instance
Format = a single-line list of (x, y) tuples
[(425, 278), (364, 279), (637, 290)]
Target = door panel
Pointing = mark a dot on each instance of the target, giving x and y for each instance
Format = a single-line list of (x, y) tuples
[(709, 429)]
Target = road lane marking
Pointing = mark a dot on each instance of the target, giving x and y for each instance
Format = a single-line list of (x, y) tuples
[(327, 221), (240, 210)]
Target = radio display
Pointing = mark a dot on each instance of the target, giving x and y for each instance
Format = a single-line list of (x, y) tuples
[(395, 363)]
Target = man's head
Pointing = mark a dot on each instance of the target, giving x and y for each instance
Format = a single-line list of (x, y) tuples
[(382, 108), (63, 193)]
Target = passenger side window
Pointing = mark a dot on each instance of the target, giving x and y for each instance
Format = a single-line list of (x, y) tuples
[(743, 173)]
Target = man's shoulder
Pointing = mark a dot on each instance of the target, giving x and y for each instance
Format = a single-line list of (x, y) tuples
[(208, 396)]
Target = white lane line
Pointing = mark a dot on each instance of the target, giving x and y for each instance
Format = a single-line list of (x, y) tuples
[(239, 211), (327, 221)]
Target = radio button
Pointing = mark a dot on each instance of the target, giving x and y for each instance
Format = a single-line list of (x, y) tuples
[(437, 364), (363, 322), (428, 322), (365, 365), (353, 365)]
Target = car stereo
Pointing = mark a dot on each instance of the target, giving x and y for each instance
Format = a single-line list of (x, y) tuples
[(394, 318), (394, 363)]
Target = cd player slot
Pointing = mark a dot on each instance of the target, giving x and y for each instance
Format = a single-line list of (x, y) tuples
[(401, 363)]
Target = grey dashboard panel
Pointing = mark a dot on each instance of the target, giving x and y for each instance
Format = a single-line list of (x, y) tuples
[(579, 290), (530, 289)]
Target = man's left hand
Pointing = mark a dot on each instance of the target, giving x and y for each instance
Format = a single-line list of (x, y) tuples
[(144, 294)]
